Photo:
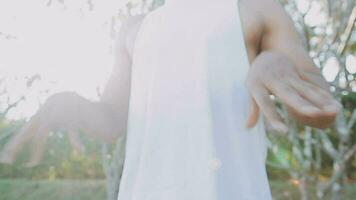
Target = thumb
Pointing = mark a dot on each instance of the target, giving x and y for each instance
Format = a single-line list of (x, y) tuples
[(253, 113), (75, 141)]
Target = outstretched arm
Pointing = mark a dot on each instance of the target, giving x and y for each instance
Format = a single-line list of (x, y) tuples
[(104, 120), (283, 68)]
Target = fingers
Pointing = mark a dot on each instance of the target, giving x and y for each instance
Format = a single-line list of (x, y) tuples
[(318, 96), (317, 122), (38, 146), (253, 114), (75, 141), (305, 93), (308, 103), (316, 79), (13, 147), (266, 105), (289, 96)]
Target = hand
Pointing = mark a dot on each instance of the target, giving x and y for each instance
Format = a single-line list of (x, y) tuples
[(305, 94), (59, 111)]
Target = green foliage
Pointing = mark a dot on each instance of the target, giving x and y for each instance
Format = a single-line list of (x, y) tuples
[(157, 3), (349, 101), (52, 190)]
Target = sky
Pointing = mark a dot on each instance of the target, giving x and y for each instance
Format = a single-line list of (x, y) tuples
[(69, 47)]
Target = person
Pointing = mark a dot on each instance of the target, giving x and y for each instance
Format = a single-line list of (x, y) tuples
[(191, 87)]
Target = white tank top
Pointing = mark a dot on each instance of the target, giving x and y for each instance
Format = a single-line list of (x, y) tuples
[(186, 136)]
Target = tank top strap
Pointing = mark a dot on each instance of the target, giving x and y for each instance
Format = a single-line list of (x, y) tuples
[(233, 13)]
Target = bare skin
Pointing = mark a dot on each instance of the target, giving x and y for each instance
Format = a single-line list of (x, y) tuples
[(272, 43)]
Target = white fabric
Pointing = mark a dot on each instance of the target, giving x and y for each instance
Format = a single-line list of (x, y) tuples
[(186, 137)]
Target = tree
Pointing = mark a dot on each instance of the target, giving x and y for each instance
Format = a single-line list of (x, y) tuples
[(332, 39)]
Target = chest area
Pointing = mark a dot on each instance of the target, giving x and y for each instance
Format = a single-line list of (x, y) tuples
[(188, 30)]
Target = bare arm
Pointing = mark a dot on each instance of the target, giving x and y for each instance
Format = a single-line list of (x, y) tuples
[(117, 91), (104, 120), (281, 36), (291, 76)]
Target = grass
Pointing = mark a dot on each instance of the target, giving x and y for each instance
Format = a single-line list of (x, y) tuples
[(52, 190), (95, 190)]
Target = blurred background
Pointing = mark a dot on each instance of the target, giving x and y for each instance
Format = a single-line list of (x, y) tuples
[(45, 44)]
